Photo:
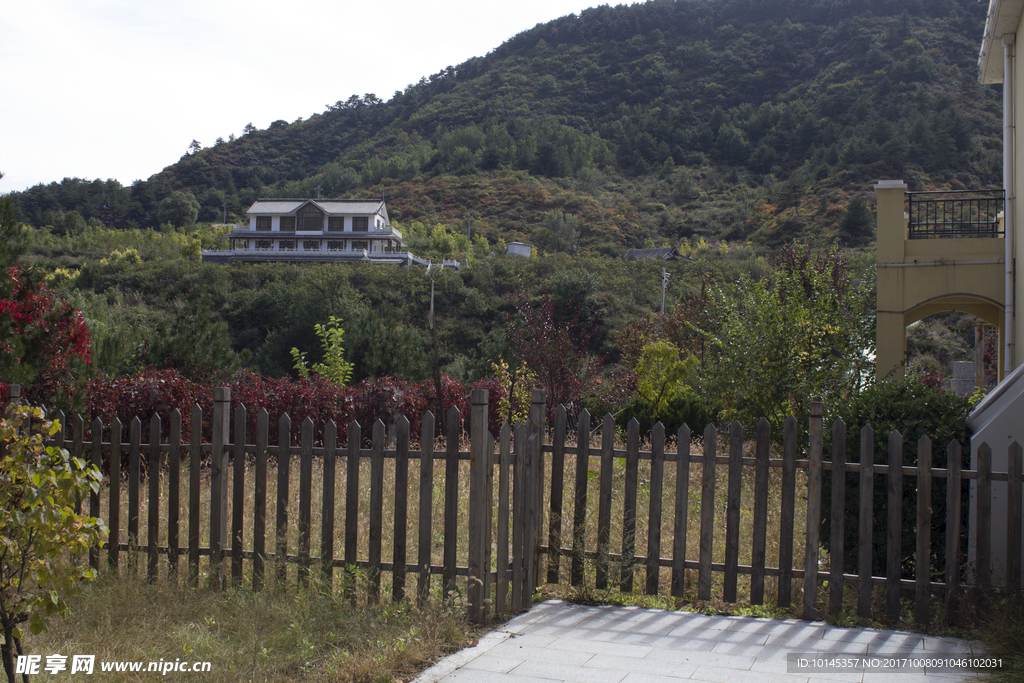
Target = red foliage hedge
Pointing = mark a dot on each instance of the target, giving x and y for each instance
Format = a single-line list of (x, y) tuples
[(161, 392)]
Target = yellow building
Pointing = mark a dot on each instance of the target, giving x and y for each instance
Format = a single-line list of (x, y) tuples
[(937, 251), (948, 251)]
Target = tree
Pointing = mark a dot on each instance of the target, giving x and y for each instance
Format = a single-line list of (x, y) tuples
[(44, 343), (551, 348), (857, 225), (563, 231), (661, 373), (195, 147), (806, 333), (178, 209), (383, 347), (43, 541), (193, 342), (334, 366)]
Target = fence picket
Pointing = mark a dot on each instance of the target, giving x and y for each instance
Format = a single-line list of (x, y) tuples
[(96, 434), (983, 549), (195, 460), (219, 484), (579, 509), (555, 500), (173, 496), (238, 494), (501, 554), (924, 531), (401, 508), (682, 503), (954, 461), (259, 516), (479, 514), (305, 498), (732, 512), (519, 517), (654, 514), (867, 508), (114, 511), (530, 536), (153, 508), (77, 446), (134, 467), (1013, 520), (451, 499), (838, 529), (352, 507), (894, 531), (707, 512), (629, 506), (284, 462), (427, 507), (604, 509), (760, 522), (327, 507), (787, 513), (813, 512), (376, 538)]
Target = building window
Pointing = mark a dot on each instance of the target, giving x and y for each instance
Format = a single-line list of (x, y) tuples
[(263, 223), (335, 245), (360, 224), (311, 245), (359, 244), (288, 223), (311, 218), (286, 245), (336, 224), (264, 245)]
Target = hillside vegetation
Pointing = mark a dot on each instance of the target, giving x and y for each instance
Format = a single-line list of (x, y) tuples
[(732, 119)]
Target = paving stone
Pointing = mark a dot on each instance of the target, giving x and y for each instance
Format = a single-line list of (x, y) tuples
[(557, 641)]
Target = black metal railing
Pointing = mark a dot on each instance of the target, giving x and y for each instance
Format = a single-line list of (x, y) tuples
[(967, 213)]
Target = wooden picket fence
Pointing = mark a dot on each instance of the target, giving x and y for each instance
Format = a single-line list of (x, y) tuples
[(518, 483)]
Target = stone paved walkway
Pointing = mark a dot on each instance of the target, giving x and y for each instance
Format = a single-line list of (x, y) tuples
[(558, 641)]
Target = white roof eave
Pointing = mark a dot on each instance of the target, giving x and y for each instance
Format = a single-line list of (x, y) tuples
[(1003, 18)]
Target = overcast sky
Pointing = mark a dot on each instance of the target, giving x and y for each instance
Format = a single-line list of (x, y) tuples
[(119, 88)]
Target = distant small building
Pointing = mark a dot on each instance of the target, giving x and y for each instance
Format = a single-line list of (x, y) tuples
[(662, 253), (519, 249)]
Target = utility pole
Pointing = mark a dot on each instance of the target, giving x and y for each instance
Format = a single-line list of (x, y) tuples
[(664, 286)]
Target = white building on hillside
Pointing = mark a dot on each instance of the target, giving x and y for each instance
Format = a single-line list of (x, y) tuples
[(316, 230)]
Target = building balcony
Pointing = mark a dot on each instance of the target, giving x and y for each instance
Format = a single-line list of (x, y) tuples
[(385, 233), (964, 214), (937, 251)]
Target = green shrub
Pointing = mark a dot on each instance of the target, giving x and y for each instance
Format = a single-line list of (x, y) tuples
[(678, 410), (915, 411)]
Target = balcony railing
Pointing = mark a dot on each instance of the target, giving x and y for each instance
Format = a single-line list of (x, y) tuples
[(969, 213)]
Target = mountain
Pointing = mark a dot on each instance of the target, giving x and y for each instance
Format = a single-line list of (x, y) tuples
[(752, 120)]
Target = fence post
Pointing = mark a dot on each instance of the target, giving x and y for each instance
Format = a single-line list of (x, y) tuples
[(538, 417), (479, 517), (15, 398), (813, 511), (218, 484)]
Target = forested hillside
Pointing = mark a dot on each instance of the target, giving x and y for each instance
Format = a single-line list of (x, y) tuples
[(749, 120)]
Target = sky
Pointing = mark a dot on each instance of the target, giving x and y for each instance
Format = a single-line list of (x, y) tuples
[(118, 89)]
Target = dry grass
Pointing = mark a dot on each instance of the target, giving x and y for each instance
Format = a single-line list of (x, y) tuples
[(294, 635)]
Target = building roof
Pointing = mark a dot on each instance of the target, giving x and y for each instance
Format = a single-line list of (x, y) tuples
[(331, 207), (665, 253), (1003, 17)]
